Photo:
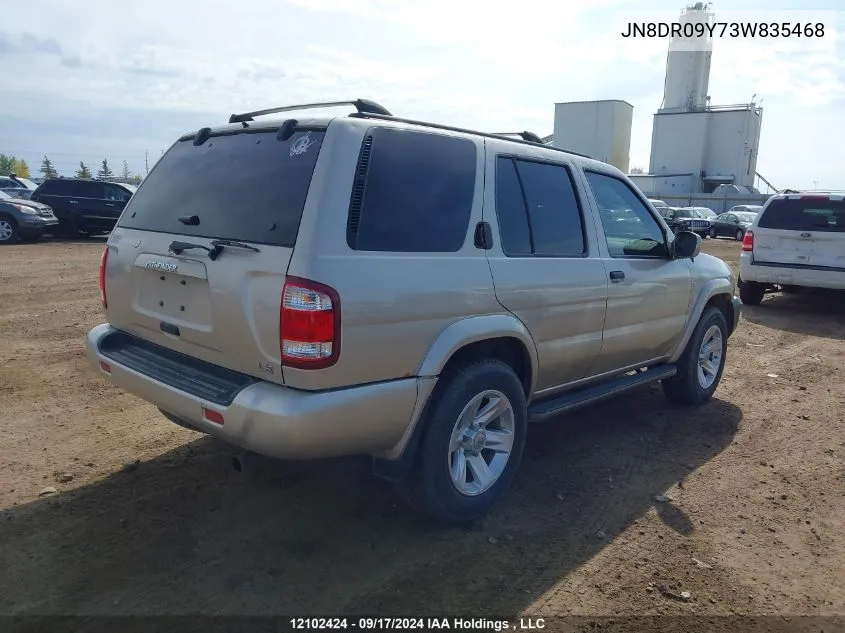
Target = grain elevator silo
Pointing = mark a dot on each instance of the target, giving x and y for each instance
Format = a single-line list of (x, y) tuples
[(696, 146)]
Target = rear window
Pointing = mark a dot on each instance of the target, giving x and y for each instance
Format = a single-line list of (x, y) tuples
[(249, 187), (804, 215)]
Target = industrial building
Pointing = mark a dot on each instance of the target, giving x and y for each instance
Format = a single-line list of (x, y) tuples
[(696, 148)]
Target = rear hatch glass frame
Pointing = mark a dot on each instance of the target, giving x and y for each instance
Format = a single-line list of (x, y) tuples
[(247, 186)]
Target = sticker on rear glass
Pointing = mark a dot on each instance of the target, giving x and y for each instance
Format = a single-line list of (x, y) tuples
[(300, 145)]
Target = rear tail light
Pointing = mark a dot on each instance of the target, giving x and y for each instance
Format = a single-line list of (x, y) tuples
[(309, 324), (748, 241), (103, 261)]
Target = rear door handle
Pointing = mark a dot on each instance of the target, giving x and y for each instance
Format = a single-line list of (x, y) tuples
[(109, 204), (73, 201), (616, 276)]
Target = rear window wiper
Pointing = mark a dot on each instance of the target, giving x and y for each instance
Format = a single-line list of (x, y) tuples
[(221, 243), (177, 247)]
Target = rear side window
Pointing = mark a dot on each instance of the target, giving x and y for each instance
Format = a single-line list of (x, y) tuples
[(809, 214), (48, 188), (538, 209), (413, 192), (247, 186), (92, 189)]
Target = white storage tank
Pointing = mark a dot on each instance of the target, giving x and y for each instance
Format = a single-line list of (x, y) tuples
[(688, 63), (599, 129)]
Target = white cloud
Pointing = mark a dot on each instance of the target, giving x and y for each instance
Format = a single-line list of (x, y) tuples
[(493, 65)]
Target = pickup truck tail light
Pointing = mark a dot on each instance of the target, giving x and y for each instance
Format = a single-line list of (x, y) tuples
[(309, 324)]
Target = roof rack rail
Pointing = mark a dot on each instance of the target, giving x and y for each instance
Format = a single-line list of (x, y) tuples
[(438, 126), (525, 136), (362, 105)]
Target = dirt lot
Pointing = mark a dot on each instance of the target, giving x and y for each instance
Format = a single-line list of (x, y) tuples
[(755, 524)]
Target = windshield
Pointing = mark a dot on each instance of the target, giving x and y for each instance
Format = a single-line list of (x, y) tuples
[(659, 204), (684, 213), (706, 213), (5, 196), (26, 182)]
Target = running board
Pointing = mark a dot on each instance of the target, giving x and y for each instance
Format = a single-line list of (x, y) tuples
[(557, 405)]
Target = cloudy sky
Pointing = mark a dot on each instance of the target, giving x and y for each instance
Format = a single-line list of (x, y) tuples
[(108, 79)]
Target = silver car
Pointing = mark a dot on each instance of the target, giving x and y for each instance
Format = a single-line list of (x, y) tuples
[(366, 284)]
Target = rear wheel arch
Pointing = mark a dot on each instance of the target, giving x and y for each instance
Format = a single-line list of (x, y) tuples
[(499, 336), (510, 348)]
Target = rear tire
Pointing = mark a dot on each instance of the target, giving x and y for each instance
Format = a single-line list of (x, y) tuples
[(712, 234), (9, 232), (740, 234), (702, 363), (452, 480), (751, 293)]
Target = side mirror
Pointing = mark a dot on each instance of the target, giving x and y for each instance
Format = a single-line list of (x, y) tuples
[(687, 245)]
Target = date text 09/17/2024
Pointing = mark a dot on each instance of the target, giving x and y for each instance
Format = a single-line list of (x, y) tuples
[(416, 624)]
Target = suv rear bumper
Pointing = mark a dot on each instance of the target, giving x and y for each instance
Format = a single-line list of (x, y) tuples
[(271, 419), (790, 275)]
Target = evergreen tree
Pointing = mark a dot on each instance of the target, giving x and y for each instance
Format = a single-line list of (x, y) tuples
[(83, 171), (105, 172), (47, 170)]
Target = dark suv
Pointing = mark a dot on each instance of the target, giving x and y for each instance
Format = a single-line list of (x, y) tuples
[(685, 219), (84, 207)]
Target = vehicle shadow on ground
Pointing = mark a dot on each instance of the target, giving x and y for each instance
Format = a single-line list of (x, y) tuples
[(185, 534), (809, 313)]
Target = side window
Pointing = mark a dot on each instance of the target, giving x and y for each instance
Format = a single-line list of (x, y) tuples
[(47, 188), (413, 192), (510, 210), (632, 233), (69, 188), (538, 209), (114, 192), (92, 189)]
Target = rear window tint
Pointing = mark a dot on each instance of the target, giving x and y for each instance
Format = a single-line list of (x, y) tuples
[(413, 192), (804, 215), (249, 187)]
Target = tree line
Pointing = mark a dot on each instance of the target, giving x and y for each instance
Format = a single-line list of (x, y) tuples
[(11, 165)]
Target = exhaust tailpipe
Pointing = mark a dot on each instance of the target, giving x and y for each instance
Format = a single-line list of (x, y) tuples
[(244, 462)]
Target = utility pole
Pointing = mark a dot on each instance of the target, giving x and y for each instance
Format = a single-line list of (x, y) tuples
[(146, 162)]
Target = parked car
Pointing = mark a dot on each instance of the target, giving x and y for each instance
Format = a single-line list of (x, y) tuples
[(16, 186), (732, 224), (84, 207), (658, 204), (374, 285), (797, 241), (746, 208), (25, 220), (685, 219), (704, 212)]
